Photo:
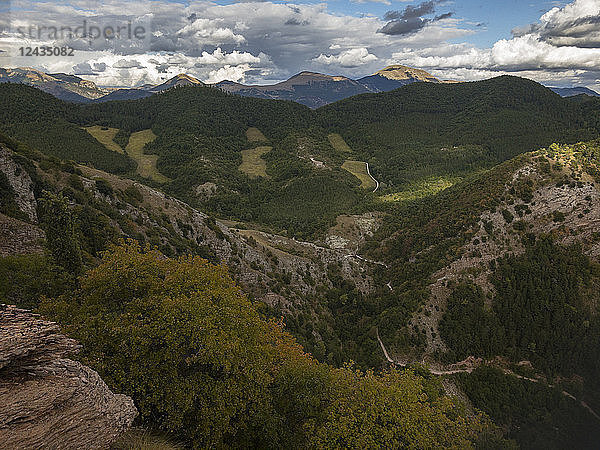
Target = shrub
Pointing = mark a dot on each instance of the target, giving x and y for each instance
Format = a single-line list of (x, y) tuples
[(508, 216), (104, 187)]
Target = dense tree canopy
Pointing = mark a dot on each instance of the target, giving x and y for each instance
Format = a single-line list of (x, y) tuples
[(180, 338)]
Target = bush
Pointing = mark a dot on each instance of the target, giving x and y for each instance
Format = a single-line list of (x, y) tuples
[(104, 187), (58, 222), (508, 216), (25, 279)]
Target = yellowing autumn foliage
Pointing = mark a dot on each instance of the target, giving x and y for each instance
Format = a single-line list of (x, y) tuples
[(180, 338)]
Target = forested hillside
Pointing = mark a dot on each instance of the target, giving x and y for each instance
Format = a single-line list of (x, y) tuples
[(423, 137), (202, 358), (428, 130), (473, 256), (504, 267)]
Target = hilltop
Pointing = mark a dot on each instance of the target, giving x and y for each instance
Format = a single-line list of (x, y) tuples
[(395, 76)]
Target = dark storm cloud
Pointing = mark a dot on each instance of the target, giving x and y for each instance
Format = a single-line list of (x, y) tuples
[(294, 21), (403, 26), (411, 19), (411, 12), (583, 32), (443, 16)]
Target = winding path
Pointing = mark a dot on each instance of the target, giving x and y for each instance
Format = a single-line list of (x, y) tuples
[(470, 369), (373, 178)]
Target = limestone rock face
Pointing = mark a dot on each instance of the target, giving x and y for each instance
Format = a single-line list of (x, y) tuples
[(19, 238), (20, 182), (47, 401)]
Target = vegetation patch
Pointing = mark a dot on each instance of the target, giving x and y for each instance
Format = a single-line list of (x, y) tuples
[(359, 170), (223, 376), (252, 163), (106, 137), (422, 188), (339, 143), (255, 135), (146, 163)]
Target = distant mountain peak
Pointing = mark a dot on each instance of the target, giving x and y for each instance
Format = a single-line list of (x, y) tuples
[(185, 76), (307, 76), (27, 73), (64, 86), (182, 79), (575, 90), (400, 72)]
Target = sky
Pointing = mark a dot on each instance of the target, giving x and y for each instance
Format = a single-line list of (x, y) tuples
[(131, 43)]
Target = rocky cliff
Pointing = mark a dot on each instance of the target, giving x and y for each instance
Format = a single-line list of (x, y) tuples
[(46, 400)]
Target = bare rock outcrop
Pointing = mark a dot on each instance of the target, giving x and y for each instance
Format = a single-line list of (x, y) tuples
[(19, 238), (47, 401), (20, 182)]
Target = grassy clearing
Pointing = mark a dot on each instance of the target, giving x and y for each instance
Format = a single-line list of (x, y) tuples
[(359, 170), (105, 136), (252, 163), (422, 188), (135, 149), (255, 135), (338, 143), (146, 163)]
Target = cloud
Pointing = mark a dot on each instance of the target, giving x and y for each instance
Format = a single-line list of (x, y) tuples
[(294, 21), (575, 25), (275, 40), (259, 42), (385, 2), (412, 12), (534, 47), (230, 73), (86, 68), (209, 31), (552, 51), (349, 58), (411, 19), (127, 64)]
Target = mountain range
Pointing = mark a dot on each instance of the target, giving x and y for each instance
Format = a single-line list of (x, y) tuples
[(315, 89), (573, 91), (308, 88), (69, 88)]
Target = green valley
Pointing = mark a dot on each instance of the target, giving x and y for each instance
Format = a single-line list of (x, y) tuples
[(468, 259)]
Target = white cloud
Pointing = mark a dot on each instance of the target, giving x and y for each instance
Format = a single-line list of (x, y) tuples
[(231, 73), (548, 51), (385, 2), (204, 32), (259, 41), (348, 58)]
